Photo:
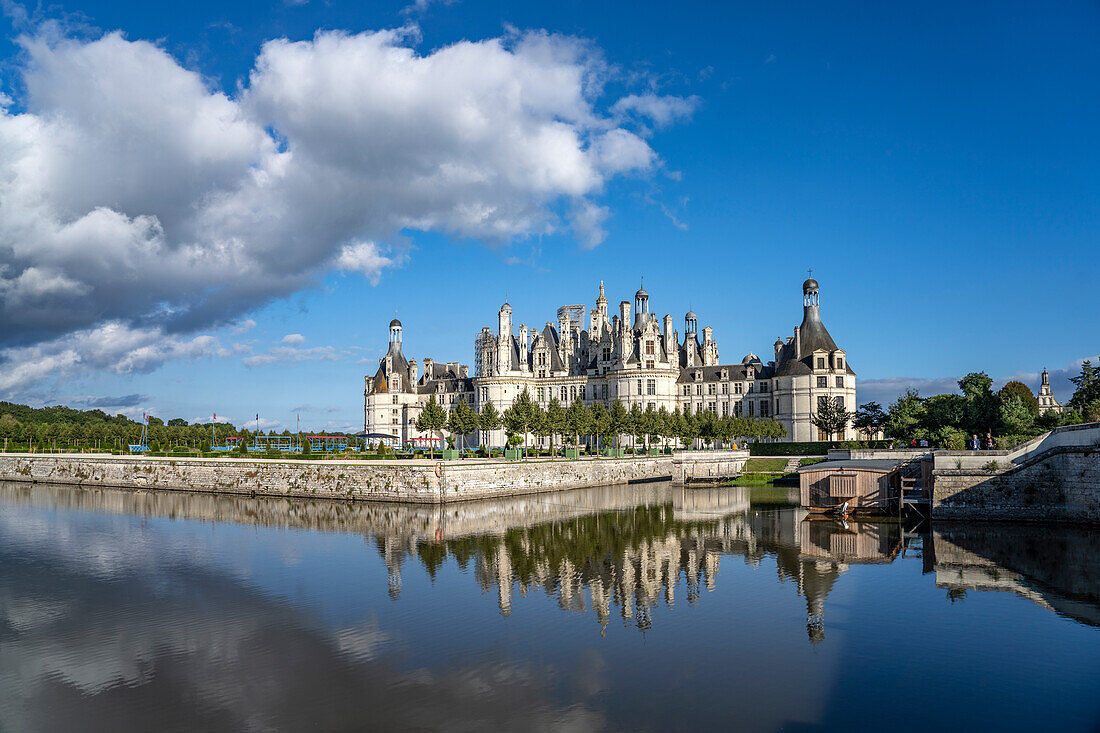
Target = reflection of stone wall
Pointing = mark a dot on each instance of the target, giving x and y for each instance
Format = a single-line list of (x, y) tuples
[(1055, 567), (358, 480)]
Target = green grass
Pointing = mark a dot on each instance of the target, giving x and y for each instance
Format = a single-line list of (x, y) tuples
[(809, 461), (765, 465)]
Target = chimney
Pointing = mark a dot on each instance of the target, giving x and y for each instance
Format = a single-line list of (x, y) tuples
[(797, 342), (624, 313), (427, 367), (523, 345)]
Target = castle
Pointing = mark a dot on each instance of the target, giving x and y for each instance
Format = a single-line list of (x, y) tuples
[(636, 360)]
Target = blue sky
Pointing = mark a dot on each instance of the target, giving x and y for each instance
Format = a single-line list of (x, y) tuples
[(934, 165)]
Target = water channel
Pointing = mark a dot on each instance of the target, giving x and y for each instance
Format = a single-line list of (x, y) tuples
[(624, 608)]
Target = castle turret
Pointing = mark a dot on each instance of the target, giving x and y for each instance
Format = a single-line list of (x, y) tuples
[(812, 335)]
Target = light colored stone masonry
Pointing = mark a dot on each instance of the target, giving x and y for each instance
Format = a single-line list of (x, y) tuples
[(357, 480), (1062, 485)]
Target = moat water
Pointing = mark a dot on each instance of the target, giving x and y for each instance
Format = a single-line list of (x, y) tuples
[(631, 608)]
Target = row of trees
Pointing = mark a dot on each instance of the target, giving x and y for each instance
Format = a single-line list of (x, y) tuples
[(64, 427), (947, 420), (579, 421)]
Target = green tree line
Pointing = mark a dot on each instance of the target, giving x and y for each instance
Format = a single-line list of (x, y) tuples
[(1010, 414)]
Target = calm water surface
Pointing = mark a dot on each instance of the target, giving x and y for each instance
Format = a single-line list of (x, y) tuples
[(633, 608)]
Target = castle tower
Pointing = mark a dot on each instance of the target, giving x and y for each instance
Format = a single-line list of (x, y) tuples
[(1047, 401), (641, 308)]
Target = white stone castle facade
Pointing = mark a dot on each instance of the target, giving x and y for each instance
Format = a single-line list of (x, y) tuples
[(630, 356)]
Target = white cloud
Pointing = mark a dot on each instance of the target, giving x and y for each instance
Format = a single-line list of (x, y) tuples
[(662, 110), (244, 326), (111, 347), (289, 354), (293, 339), (137, 200), (587, 221), (364, 258)]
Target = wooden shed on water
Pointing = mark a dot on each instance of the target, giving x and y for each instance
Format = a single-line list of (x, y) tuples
[(867, 485)]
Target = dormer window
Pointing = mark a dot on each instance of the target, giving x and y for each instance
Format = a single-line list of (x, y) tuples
[(840, 362), (821, 362), (698, 375), (725, 374)]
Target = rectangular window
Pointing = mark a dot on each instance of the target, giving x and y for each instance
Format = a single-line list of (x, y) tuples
[(725, 409), (752, 409), (822, 401), (583, 390), (840, 362), (639, 386), (737, 409), (563, 393), (840, 402), (541, 394), (821, 362), (738, 387), (651, 387), (607, 354), (823, 382), (573, 392), (687, 389), (603, 389), (764, 409), (725, 388), (649, 364), (698, 389), (395, 399), (840, 382), (649, 347), (712, 407), (650, 406), (763, 386), (710, 388)]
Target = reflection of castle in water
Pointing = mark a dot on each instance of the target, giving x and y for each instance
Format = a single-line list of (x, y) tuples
[(631, 546)]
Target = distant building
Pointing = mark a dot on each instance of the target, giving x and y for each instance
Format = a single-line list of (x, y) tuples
[(640, 360), (1047, 402)]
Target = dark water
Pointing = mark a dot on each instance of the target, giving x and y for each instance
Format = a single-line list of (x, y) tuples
[(639, 608)]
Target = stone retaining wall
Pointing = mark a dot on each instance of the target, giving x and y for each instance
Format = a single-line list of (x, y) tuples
[(707, 466), (1063, 484), (357, 480)]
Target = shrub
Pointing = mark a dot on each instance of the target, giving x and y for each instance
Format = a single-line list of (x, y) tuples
[(814, 448)]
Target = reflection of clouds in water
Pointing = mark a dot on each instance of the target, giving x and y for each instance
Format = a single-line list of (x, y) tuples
[(155, 639)]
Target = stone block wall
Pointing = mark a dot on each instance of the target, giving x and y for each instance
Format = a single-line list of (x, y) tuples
[(356, 480), (700, 466), (1064, 484)]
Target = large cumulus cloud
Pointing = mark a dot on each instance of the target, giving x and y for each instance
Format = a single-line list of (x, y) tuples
[(136, 201)]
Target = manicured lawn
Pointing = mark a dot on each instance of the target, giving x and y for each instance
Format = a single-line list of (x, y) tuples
[(765, 465)]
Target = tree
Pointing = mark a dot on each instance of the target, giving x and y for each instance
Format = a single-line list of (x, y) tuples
[(1016, 419), (1087, 385), (944, 411), (462, 421), (636, 425), (905, 415), (431, 420), (601, 421), (663, 425), (519, 417), (555, 421), (618, 420), (869, 419), (830, 417), (983, 409), (1016, 388), (578, 420), (689, 428), (488, 420)]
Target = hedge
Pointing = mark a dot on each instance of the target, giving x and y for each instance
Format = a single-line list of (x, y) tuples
[(815, 448)]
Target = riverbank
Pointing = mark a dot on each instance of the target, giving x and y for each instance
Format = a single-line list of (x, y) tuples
[(418, 481)]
